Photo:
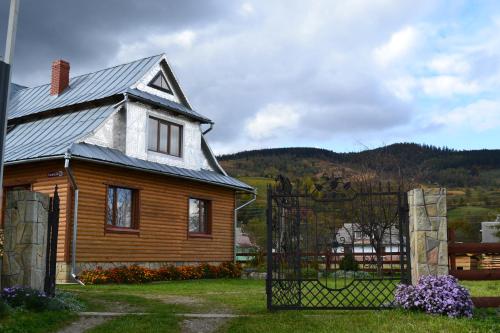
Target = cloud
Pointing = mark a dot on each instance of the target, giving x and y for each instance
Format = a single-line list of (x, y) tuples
[(400, 45), (128, 51), (247, 9), (479, 116), (447, 86), (273, 73), (271, 120), (449, 64)]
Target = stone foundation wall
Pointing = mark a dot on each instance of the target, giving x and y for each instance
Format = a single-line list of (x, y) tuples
[(428, 232), (25, 244)]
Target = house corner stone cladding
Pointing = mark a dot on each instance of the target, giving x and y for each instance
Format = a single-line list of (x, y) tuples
[(25, 244), (428, 232)]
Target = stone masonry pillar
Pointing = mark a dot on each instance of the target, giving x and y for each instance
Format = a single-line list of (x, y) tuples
[(428, 232), (25, 232)]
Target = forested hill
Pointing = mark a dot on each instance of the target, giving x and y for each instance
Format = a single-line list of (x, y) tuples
[(421, 162)]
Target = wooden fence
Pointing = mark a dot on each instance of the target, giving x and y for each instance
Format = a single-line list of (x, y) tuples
[(473, 261), (367, 261)]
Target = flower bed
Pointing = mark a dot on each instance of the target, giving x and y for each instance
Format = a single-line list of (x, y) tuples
[(437, 295), (137, 274)]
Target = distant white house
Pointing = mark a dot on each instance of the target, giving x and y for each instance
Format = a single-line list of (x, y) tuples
[(351, 235), (489, 230)]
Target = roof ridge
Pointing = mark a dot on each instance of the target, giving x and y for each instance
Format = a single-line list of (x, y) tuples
[(100, 70)]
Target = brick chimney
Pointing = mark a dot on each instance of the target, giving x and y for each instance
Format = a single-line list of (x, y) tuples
[(60, 77)]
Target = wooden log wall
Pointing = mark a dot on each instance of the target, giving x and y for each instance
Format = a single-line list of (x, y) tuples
[(163, 222)]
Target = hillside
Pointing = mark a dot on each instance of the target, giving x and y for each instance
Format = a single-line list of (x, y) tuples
[(423, 164), (472, 177)]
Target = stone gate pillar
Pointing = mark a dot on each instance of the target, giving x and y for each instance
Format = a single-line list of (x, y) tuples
[(25, 244), (428, 232)]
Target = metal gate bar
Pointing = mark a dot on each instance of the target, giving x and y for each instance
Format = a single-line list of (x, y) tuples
[(335, 247)]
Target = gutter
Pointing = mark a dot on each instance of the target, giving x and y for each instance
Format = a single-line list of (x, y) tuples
[(208, 129), (131, 167), (236, 220), (72, 180)]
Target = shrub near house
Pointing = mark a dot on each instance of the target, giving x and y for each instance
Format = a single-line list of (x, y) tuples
[(137, 274)]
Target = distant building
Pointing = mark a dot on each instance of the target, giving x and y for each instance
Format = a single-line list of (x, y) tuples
[(244, 245), (351, 236), (489, 230)]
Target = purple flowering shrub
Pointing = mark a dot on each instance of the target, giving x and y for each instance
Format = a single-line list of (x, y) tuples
[(31, 299), (25, 297), (436, 294)]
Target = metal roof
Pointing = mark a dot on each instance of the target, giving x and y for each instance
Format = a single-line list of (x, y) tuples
[(15, 88), (84, 88), (116, 157), (52, 136), (163, 102)]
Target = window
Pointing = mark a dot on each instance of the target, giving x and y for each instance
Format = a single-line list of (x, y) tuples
[(358, 235), (199, 216), (160, 82), (121, 208), (164, 137)]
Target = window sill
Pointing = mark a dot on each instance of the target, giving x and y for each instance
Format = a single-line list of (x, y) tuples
[(164, 154), (199, 235), (121, 230)]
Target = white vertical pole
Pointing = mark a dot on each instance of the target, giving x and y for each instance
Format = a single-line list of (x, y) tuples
[(5, 69), (11, 31)]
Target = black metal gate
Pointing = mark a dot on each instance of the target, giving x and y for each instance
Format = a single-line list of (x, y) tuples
[(337, 246), (52, 235)]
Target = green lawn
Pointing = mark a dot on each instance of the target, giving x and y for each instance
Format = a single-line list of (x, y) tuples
[(247, 297), (19, 321)]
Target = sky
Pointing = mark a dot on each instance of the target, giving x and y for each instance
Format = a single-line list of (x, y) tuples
[(340, 75)]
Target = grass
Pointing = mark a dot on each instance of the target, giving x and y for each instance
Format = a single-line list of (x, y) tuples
[(465, 211), (19, 321), (248, 297), (482, 288)]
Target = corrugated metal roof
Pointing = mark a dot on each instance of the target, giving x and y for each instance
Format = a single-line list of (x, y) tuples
[(15, 88), (113, 156), (179, 108), (83, 88), (52, 136)]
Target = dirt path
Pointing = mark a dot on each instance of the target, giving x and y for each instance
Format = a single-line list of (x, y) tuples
[(90, 320), (205, 322), (205, 318), (84, 323)]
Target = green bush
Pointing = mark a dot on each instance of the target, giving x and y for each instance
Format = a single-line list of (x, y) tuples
[(348, 263), (65, 301)]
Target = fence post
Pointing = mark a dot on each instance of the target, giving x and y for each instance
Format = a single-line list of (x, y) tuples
[(453, 257), (428, 232), (269, 247), (25, 231)]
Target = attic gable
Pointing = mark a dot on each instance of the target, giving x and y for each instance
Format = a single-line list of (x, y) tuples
[(160, 81)]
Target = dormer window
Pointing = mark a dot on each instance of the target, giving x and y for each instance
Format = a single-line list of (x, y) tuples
[(164, 137), (160, 82)]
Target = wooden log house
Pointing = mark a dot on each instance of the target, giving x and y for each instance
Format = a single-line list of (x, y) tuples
[(132, 165)]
